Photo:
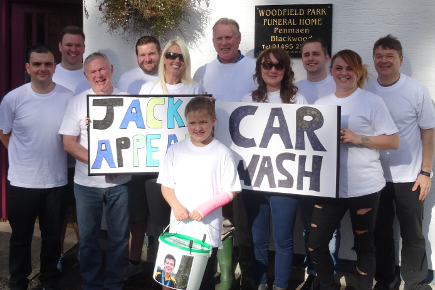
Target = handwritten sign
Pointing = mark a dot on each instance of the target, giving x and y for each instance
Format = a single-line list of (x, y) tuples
[(283, 148), (131, 134)]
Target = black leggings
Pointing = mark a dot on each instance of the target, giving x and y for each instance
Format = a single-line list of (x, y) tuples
[(327, 214)]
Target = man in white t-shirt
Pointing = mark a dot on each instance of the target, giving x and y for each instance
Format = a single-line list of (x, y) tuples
[(92, 191), (317, 85), (30, 117), (69, 73), (228, 78), (408, 170), (148, 54)]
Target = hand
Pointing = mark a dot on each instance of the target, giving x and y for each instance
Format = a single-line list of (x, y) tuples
[(347, 136), (181, 213), (195, 215), (424, 182), (87, 121), (112, 177)]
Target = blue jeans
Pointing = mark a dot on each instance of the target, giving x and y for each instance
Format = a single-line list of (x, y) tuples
[(306, 206), (89, 213), (259, 208)]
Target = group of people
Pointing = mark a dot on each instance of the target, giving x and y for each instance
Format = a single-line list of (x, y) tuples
[(386, 154)]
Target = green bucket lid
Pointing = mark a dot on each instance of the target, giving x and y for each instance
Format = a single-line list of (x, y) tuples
[(182, 242)]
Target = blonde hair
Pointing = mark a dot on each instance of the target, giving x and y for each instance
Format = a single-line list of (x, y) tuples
[(185, 75)]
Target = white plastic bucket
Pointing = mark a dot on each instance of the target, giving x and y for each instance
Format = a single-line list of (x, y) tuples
[(184, 257)]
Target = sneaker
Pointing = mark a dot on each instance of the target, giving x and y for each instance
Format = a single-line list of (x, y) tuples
[(131, 270), (60, 263)]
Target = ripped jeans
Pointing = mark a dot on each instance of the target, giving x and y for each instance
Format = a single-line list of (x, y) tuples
[(327, 214)]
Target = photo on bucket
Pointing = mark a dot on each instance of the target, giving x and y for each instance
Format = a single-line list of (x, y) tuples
[(180, 261), (174, 271)]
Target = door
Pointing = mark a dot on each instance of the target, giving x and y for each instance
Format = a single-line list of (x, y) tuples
[(38, 23)]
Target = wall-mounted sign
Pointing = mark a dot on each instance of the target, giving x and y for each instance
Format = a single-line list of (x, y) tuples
[(287, 26)]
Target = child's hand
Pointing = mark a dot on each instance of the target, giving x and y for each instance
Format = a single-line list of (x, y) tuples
[(181, 213), (195, 215)]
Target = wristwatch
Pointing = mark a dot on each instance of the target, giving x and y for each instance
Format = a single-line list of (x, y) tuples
[(428, 174)]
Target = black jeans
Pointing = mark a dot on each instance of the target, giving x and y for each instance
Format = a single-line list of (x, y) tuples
[(409, 211), (24, 205), (327, 214)]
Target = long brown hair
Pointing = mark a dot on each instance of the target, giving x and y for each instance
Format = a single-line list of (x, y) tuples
[(288, 89)]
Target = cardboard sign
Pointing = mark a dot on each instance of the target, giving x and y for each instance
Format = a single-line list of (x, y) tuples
[(131, 134), (283, 148)]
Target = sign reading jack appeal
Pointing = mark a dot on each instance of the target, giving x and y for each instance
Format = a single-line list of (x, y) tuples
[(287, 26), (131, 134), (282, 147)]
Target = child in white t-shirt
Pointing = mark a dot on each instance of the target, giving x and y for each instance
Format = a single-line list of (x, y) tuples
[(198, 177)]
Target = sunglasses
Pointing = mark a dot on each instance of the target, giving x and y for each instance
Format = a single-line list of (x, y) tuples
[(267, 65), (174, 55)]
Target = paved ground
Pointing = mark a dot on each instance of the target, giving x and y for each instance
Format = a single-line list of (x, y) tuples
[(71, 279)]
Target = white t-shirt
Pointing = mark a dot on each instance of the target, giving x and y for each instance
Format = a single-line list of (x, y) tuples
[(36, 155), (227, 82), (197, 174), (131, 81), (411, 108), (274, 97), (312, 91), (360, 169), (74, 80), (178, 89), (73, 124)]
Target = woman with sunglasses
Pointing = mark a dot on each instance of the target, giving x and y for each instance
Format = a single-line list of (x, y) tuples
[(174, 72), (275, 79), (366, 127)]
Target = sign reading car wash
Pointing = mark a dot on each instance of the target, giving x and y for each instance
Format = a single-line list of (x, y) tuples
[(283, 148), (287, 26)]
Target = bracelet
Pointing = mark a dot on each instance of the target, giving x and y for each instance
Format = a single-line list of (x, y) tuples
[(428, 174)]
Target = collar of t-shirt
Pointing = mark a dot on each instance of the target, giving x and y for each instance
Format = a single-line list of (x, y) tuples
[(241, 56)]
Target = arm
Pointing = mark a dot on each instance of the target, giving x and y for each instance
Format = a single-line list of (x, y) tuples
[(77, 151), (210, 205), (427, 138), (381, 142), (5, 138), (180, 212)]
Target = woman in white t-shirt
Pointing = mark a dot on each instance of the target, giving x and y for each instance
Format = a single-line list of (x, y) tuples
[(275, 78), (366, 127), (174, 72)]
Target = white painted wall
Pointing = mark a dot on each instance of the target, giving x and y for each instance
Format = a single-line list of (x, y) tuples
[(356, 25)]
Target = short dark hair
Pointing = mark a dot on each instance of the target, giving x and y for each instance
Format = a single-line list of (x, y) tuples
[(319, 40), (170, 257), (148, 39), (39, 48), (72, 29), (388, 42), (200, 103)]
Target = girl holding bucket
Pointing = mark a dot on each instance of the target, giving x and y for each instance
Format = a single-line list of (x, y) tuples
[(275, 78), (199, 176)]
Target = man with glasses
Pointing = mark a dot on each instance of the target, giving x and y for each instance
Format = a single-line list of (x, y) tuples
[(228, 78), (408, 170), (92, 191)]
